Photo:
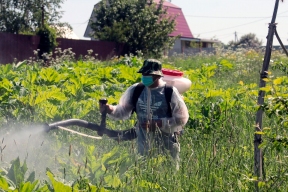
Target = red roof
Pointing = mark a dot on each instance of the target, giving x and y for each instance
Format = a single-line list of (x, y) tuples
[(166, 3), (181, 27)]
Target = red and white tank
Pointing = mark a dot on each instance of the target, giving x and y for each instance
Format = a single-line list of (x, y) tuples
[(175, 78)]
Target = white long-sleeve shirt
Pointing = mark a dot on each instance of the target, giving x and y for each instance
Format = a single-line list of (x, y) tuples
[(152, 105)]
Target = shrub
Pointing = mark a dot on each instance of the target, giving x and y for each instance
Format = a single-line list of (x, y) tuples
[(47, 39)]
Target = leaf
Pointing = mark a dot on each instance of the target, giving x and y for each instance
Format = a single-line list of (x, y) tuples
[(278, 81), (28, 186), (112, 180), (57, 94), (31, 177), (241, 83), (259, 133), (147, 184), (214, 93), (6, 84), (128, 74), (50, 110), (261, 184), (31, 76), (93, 188), (3, 183), (54, 93), (57, 186), (16, 173), (50, 75), (226, 63), (20, 64), (43, 188), (6, 68), (106, 156), (266, 89), (31, 98)]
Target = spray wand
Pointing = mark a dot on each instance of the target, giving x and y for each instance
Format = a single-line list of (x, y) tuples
[(81, 123), (103, 117)]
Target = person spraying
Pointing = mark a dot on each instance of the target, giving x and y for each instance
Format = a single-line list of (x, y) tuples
[(160, 109)]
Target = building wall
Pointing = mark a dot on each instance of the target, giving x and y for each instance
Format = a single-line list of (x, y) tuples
[(21, 47), (183, 47), (177, 48)]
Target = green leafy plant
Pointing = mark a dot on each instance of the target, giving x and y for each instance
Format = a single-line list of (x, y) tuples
[(216, 147)]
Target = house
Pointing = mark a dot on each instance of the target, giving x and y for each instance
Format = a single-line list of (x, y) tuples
[(186, 43), (67, 33)]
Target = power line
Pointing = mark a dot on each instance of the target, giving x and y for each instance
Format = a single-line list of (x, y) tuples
[(213, 17), (227, 34), (235, 34), (79, 23), (232, 17), (239, 25), (232, 27)]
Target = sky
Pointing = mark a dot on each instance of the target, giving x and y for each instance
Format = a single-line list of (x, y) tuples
[(225, 20)]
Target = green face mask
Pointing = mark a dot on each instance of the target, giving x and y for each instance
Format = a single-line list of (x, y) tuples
[(147, 80)]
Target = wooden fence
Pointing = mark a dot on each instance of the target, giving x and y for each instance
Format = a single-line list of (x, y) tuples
[(22, 47)]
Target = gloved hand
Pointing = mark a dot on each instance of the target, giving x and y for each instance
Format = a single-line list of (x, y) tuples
[(105, 107)]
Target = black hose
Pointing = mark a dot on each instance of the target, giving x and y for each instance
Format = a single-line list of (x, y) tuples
[(77, 122), (115, 134)]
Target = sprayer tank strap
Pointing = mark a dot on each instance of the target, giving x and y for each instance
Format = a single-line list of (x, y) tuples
[(168, 90)]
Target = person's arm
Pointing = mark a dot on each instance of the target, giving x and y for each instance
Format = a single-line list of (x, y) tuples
[(179, 117), (124, 109)]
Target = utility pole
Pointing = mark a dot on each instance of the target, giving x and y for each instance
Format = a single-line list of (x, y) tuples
[(236, 38), (42, 19), (258, 154), (42, 13)]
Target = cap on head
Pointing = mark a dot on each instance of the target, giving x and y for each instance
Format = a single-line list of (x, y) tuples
[(152, 67)]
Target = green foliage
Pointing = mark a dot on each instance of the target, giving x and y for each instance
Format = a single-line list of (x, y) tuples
[(246, 41), (280, 64), (216, 148), (16, 172), (25, 17), (4, 185), (276, 108), (56, 185), (150, 29), (15, 180), (47, 40)]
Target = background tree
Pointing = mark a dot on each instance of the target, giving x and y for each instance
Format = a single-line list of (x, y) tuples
[(141, 24), (249, 40), (25, 16), (47, 40)]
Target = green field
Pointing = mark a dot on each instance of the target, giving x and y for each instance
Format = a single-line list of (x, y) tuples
[(217, 148)]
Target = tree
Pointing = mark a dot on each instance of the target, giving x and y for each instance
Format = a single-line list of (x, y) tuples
[(141, 24), (248, 40), (47, 40), (26, 16)]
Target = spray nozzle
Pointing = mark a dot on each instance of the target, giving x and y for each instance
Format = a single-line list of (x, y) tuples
[(103, 101), (48, 128)]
